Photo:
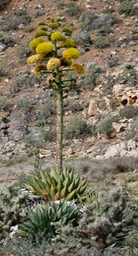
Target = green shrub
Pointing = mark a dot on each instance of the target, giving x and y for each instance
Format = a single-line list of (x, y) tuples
[(105, 126), (76, 128), (113, 103), (101, 42), (7, 39), (25, 104), (3, 4), (86, 20), (72, 9), (126, 7), (92, 77), (3, 102), (44, 220), (13, 208), (128, 76), (133, 132), (129, 111)]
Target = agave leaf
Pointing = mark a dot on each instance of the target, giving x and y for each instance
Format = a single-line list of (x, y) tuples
[(65, 173), (70, 176), (59, 214), (60, 186), (57, 196), (64, 192), (55, 174), (81, 189), (71, 187), (76, 182), (83, 182), (66, 182), (43, 176), (62, 177), (71, 195), (52, 192)]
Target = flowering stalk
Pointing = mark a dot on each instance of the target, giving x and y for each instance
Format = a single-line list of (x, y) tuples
[(59, 66)]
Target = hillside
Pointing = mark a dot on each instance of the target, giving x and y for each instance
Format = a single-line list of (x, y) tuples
[(90, 208), (101, 114)]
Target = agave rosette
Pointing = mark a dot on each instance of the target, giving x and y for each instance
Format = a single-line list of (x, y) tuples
[(57, 185)]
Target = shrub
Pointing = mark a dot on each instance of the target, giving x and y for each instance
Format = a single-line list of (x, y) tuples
[(76, 128), (44, 220), (101, 42), (3, 102), (13, 23), (83, 39), (126, 7), (72, 9), (13, 208), (112, 61), (87, 19), (3, 4), (92, 77), (24, 104), (105, 126), (7, 39), (129, 111), (133, 132), (128, 76), (113, 103)]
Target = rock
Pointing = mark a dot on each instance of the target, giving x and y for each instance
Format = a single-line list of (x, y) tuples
[(119, 127), (92, 109), (135, 9), (2, 47)]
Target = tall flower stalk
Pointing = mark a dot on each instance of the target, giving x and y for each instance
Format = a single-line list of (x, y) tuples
[(54, 53)]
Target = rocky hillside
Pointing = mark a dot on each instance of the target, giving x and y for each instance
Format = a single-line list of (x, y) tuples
[(101, 113)]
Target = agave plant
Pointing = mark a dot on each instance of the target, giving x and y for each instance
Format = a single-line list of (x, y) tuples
[(57, 185), (44, 220)]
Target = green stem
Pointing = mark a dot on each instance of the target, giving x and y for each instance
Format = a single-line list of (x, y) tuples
[(59, 130), (59, 127)]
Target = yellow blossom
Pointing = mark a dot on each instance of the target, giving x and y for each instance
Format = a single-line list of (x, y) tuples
[(53, 63), (40, 23), (35, 42), (40, 33), (67, 30), (65, 62), (79, 69), (34, 58), (44, 48), (57, 36), (71, 53), (68, 43), (54, 25), (39, 69)]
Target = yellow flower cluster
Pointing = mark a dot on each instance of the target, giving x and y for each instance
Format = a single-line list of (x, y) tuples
[(71, 53), (65, 62), (40, 33), (44, 48), (34, 58), (53, 63), (41, 23), (67, 31), (57, 36), (54, 25), (68, 43), (35, 42), (39, 69), (79, 69)]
